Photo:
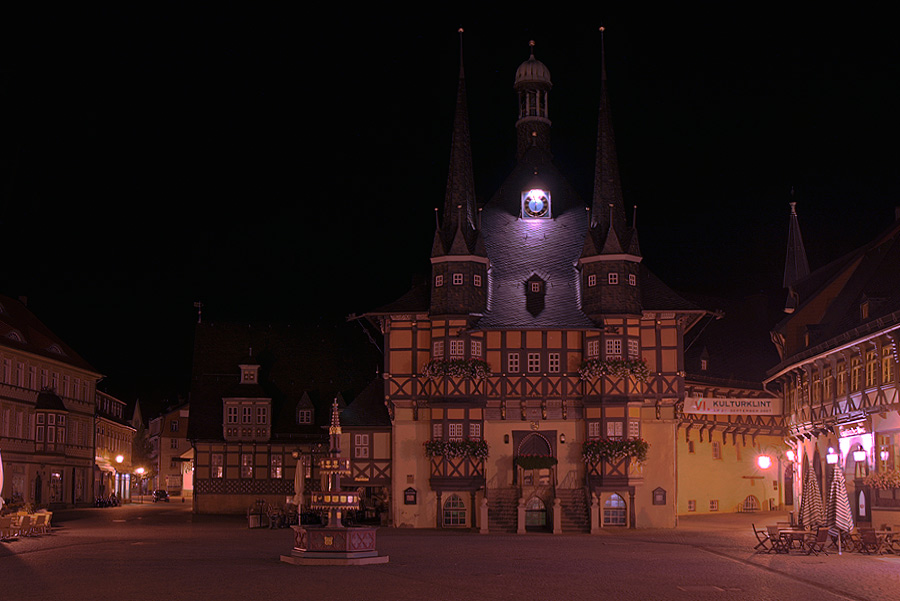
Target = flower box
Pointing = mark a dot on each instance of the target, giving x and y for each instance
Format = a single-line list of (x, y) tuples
[(457, 368), (883, 480), (594, 368), (604, 449), (456, 448)]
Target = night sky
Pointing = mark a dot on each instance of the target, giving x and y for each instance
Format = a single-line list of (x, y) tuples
[(285, 168)]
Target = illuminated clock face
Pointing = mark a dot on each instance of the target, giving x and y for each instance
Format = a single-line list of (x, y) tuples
[(536, 204)]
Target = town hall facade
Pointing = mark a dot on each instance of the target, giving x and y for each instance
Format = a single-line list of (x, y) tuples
[(538, 378)]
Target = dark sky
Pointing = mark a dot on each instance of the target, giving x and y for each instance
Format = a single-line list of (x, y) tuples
[(284, 167)]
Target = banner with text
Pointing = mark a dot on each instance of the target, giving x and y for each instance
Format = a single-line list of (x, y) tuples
[(708, 405)]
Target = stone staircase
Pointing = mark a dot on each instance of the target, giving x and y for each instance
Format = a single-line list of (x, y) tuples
[(575, 510), (503, 505)]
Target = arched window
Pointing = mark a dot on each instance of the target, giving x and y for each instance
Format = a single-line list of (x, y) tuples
[(614, 511), (454, 511), (535, 514), (751, 503)]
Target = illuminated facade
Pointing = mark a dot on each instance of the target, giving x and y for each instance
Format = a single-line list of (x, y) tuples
[(114, 437), (172, 452), (540, 350), (47, 407), (729, 421), (838, 372)]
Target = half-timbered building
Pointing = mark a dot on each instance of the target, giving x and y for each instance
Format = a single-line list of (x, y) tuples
[(259, 410), (526, 379), (838, 375)]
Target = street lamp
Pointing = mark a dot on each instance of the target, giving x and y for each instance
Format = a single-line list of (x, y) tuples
[(140, 473), (764, 462)]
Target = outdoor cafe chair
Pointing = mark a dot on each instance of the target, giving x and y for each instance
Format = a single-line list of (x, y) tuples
[(763, 544), (780, 544), (24, 526), (6, 527), (39, 523), (868, 541), (816, 544)]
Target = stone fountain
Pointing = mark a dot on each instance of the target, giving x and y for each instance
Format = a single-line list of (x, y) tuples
[(334, 543)]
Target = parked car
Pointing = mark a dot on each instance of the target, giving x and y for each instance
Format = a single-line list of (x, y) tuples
[(160, 495)]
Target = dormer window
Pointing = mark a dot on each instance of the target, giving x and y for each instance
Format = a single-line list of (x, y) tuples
[(457, 279), (56, 349), (438, 281), (15, 336), (249, 373), (535, 290), (592, 280), (864, 310), (613, 279), (476, 280), (632, 279), (304, 416)]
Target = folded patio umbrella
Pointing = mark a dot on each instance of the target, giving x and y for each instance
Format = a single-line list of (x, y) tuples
[(839, 516), (812, 514), (299, 482)]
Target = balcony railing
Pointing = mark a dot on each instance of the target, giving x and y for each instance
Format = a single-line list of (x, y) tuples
[(456, 473), (621, 471)]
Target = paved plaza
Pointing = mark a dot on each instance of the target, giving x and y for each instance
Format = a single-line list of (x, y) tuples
[(161, 552)]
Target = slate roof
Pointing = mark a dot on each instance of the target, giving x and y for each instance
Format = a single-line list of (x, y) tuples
[(737, 346), (368, 408), (48, 400), (299, 365), (17, 320), (872, 275), (519, 248)]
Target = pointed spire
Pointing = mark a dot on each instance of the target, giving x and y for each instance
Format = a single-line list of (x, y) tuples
[(611, 246), (460, 178), (607, 183), (796, 265), (334, 429)]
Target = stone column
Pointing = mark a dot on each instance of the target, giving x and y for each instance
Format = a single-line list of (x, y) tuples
[(631, 511), (557, 516), (521, 517)]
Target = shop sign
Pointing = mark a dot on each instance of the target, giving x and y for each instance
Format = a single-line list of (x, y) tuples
[(720, 406), (852, 429)]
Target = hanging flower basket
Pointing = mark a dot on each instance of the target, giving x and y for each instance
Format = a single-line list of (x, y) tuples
[(593, 451), (457, 368), (594, 368), (535, 462), (456, 448), (883, 480)]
